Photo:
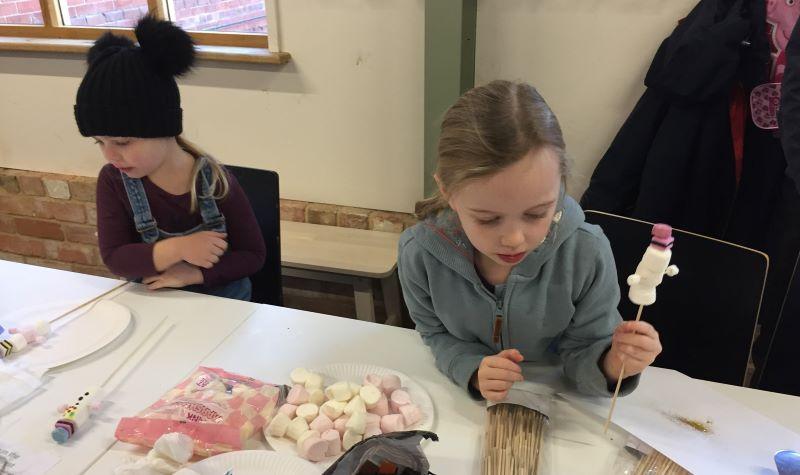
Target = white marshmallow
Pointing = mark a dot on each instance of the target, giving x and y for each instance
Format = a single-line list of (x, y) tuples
[(333, 409), (175, 446), (355, 388), (316, 396), (19, 342), (313, 381), (42, 327), (278, 425), (298, 375), (296, 428), (357, 423), (355, 405), (339, 391), (350, 439), (370, 395), (308, 411), (649, 274)]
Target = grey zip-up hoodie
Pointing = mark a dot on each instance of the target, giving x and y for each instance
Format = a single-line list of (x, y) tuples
[(560, 301)]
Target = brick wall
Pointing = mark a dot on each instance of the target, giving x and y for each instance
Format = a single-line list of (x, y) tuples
[(20, 12), (50, 220), (197, 15)]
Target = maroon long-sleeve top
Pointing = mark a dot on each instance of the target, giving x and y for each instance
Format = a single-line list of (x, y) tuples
[(125, 254)]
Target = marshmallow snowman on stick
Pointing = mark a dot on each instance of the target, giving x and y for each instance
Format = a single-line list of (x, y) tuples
[(642, 284)]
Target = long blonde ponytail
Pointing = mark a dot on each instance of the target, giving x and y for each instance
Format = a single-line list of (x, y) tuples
[(219, 185)]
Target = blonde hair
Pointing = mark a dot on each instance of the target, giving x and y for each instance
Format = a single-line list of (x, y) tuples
[(219, 185), (487, 129)]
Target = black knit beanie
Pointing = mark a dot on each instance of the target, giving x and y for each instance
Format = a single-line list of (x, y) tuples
[(129, 90)]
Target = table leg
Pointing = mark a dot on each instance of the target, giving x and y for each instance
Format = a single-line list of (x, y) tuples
[(391, 298), (362, 292)]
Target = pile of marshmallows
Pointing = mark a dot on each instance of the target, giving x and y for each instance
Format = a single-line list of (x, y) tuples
[(345, 413)]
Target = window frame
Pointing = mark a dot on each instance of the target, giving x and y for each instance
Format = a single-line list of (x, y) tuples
[(54, 35)]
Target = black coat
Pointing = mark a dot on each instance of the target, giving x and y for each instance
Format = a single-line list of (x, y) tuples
[(673, 159), (789, 114), (783, 352)]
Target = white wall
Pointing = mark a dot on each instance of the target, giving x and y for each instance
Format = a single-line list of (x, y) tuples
[(588, 58), (341, 123)]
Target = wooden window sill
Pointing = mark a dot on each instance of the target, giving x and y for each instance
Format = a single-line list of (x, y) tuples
[(216, 53)]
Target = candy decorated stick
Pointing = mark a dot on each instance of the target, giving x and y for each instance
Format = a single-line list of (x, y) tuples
[(649, 274), (76, 414), (39, 331), (35, 333)]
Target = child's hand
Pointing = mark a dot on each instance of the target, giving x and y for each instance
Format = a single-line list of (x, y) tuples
[(637, 344), (203, 248), (497, 373), (177, 276)]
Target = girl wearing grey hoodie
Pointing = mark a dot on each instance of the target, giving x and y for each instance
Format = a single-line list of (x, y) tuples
[(502, 268)]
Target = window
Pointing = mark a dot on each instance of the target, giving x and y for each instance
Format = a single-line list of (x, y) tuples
[(223, 29)]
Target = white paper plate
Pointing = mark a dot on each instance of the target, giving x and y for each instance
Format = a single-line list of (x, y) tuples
[(82, 336), (254, 462), (355, 373)]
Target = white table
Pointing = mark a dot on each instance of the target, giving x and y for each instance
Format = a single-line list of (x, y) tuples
[(199, 324), (275, 340), (267, 342)]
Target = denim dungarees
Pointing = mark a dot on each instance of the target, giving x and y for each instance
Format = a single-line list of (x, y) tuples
[(147, 227)]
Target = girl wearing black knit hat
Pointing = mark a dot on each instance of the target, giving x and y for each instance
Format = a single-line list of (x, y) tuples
[(167, 213)]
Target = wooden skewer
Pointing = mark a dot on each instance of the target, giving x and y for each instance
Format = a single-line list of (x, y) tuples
[(87, 302), (619, 382)]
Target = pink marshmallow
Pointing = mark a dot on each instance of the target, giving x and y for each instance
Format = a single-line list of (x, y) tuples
[(381, 408), (30, 334), (390, 383), (411, 414), (289, 409), (339, 424), (321, 424), (373, 379), (399, 398), (297, 395), (314, 449), (372, 431), (392, 423), (334, 440)]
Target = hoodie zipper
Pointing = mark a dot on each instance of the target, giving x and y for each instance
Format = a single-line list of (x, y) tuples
[(497, 331)]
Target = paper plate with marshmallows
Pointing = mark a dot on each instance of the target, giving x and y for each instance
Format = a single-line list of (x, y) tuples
[(332, 408)]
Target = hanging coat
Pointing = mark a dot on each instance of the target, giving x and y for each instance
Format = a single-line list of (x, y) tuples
[(673, 159)]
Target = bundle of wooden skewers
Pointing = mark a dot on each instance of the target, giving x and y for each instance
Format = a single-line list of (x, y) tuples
[(513, 441)]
